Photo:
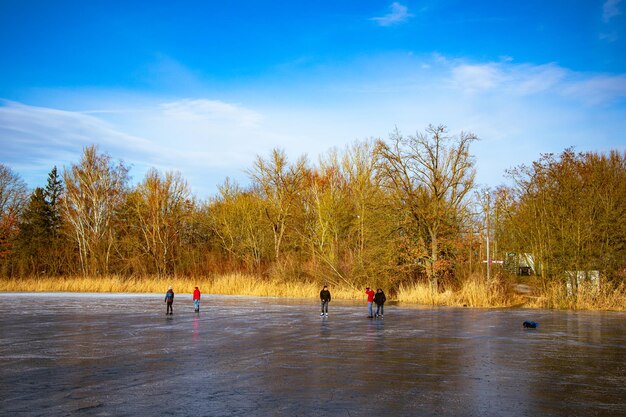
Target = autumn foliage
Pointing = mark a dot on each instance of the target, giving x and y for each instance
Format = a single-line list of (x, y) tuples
[(403, 214)]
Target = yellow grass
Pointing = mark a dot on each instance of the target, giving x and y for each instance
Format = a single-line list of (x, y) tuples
[(587, 298), (421, 293), (472, 293), (233, 284)]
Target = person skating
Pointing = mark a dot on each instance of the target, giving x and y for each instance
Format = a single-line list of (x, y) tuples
[(196, 300), (370, 300), (325, 299), (380, 299), (169, 300)]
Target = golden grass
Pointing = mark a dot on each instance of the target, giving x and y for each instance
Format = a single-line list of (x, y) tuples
[(472, 293), (421, 293), (232, 284), (75, 284), (588, 297)]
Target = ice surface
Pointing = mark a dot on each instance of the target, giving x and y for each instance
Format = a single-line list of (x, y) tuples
[(120, 355)]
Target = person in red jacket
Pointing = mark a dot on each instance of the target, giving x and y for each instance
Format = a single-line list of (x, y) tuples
[(196, 299), (370, 299)]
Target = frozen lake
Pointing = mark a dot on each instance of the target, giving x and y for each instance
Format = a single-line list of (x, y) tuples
[(119, 355)]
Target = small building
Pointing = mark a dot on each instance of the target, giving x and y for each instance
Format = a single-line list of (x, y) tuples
[(522, 264)]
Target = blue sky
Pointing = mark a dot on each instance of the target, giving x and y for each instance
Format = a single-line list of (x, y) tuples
[(203, 87)]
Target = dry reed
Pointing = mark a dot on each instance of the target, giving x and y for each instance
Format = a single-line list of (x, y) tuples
[(472, 293), (232, 284), (588, 297)]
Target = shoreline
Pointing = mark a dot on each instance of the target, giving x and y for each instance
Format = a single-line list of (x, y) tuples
[(471, 294), (390, 302), (394, 303)]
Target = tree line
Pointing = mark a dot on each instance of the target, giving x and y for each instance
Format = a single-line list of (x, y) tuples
[(393, 211)]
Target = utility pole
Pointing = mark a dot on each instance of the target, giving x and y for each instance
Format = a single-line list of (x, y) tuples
[(488, 253)]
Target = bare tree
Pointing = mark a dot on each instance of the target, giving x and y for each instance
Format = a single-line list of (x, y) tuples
[(13, 196), (430, 175), (161, 208), (236, 220), (568, 211), (328, 216), (359, 167), (280, 183), (13, 192), (95, 187)]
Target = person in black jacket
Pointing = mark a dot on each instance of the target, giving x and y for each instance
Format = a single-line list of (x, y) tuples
[(169, 300), (379, 299), (325, 298)]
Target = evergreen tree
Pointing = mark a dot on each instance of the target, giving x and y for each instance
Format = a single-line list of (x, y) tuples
[(53, 192), (40, 244), (36, 232)]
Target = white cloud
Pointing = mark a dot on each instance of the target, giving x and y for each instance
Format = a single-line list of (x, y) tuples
[(608, 36), (196, 137), (473, 78), (211, 110), (500, 77), (397, 14), (519, 111), (598, 89), (610, 9), (34, 139), (534, 79), (60, 130), (525, 79)]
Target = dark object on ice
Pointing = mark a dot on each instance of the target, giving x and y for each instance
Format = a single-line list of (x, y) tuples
[(530, 324)]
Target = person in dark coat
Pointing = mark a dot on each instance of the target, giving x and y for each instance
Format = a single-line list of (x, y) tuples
[(325, 299), (169, 300), (379, 299)]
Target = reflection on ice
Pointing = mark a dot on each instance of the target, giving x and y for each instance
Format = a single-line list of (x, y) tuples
[(118, 354)]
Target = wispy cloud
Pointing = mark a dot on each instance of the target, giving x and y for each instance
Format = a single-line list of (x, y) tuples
[(598, 89), (36, 138), (610, 9), (473, 78), (194, 136), (525, 79), (61, 131), (211, 110), (519, 109), (505, 77), (608, 36), (398, 14)]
